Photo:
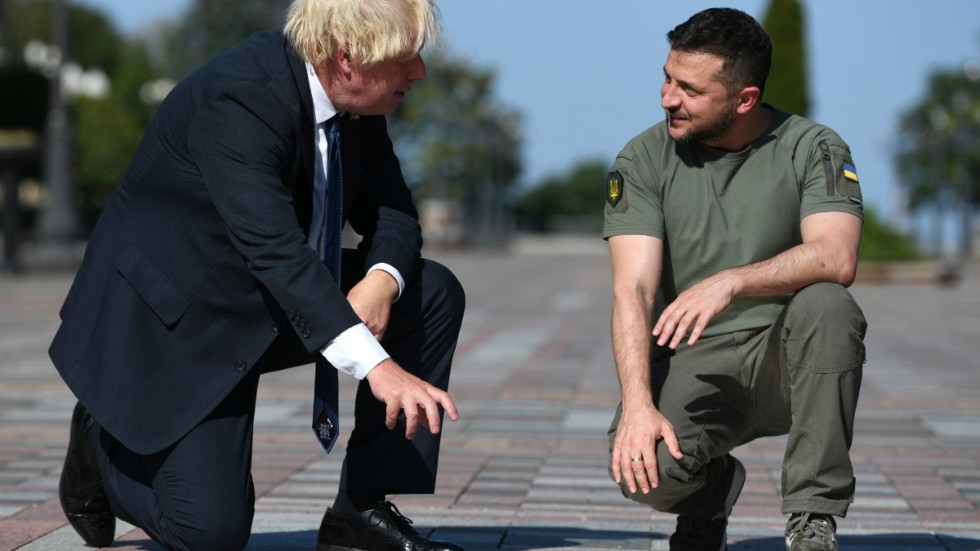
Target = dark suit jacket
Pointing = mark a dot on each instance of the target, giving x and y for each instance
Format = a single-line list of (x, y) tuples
[(200, 257)]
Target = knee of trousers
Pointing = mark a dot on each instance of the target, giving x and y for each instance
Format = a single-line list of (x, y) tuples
[(825, 306), (824, 324), (680, 482), (448, 292)]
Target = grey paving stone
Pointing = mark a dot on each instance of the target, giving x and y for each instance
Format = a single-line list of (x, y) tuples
[(27, 497), (954, 426), (7, 510), (589, 420), (514, 346)]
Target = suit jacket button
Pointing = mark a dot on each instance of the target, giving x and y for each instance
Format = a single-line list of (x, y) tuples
[(274, 327), (240, 366), (306, 334)]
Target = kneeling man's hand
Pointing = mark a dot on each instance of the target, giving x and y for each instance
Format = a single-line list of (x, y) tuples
[(402, 391)]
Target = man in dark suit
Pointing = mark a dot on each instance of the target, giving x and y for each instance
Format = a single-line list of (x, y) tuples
[(218, 259)]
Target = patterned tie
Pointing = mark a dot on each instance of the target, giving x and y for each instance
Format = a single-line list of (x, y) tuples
[(325, 237)]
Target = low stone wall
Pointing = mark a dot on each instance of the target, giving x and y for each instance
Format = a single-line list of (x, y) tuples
[(931, 272)]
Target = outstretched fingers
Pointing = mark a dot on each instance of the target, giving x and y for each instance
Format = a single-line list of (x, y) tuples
[(405, 393)]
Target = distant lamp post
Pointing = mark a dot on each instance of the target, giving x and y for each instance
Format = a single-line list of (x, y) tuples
[(58, 222)]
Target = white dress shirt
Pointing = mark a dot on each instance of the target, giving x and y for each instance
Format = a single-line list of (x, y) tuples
[(355, 351)]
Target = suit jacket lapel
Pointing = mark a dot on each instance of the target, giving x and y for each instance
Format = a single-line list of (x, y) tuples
[(299, 83)]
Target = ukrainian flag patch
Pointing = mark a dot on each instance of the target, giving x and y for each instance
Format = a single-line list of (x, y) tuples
[(850, 172)]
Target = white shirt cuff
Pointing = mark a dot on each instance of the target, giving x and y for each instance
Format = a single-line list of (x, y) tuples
[(355, 351), (393, 272)]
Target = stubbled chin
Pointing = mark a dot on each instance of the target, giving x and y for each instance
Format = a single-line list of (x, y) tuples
[(676, 132)]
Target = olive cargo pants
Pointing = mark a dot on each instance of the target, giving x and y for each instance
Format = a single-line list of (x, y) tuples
[(801, 377)]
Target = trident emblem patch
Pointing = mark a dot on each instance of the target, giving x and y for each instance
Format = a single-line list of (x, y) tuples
[(614, 188)]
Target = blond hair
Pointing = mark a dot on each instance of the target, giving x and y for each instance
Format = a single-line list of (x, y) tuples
[(371, 31)]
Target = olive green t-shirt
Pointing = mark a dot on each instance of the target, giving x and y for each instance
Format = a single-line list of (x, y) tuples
[(716, 210)]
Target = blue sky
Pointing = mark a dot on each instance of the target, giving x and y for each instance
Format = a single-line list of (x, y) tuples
[(586, 74)]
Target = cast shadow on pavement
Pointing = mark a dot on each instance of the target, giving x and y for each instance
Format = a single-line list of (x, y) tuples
[(530, 538)]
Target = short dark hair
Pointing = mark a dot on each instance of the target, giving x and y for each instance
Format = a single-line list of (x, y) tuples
[(732, 35)]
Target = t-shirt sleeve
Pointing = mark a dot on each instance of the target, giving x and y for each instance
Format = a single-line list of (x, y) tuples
[(633, 204), (831, 182)]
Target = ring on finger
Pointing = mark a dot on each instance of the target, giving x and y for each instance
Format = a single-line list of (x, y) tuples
[(635, 459)]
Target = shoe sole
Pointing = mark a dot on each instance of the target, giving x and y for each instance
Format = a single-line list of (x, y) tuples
[(735, 490), (97, 529), (738, 481)]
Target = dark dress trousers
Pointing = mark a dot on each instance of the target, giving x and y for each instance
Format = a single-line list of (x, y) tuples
[(198, 277)]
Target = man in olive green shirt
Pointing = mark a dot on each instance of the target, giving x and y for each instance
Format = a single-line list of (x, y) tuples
[(733, 229)]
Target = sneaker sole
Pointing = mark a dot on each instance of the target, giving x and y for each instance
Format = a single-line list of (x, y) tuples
[(738, 481), (735, 490)]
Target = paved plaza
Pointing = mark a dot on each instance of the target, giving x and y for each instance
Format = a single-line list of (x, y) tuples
[(525, 466)]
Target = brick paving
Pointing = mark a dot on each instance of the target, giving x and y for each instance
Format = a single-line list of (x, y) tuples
[(525, 466)]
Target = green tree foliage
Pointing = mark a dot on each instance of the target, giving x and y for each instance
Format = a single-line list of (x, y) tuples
[(879, 242), (570, 202), (787, 85), (135, 70), (453, 133), (106, 137), (210, 27), (938, 148), (106, 130), (459, 144), (92, 40)]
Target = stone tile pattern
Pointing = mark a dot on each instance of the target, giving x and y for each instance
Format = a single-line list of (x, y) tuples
[(525, 466)]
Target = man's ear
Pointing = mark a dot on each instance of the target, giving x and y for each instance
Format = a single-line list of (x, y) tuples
[(342, 58), (748, 98)]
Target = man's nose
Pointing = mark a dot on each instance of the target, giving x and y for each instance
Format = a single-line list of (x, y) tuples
[(668, 97), (417, 69)]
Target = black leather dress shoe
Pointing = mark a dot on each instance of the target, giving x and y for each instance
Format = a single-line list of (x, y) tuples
[(83, 496), (382, 528)]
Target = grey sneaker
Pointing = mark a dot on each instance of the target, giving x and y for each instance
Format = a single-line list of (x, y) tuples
[(811, 532), (710, 533)]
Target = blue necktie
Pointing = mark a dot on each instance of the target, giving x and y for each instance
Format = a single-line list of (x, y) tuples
[(325, 237)]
